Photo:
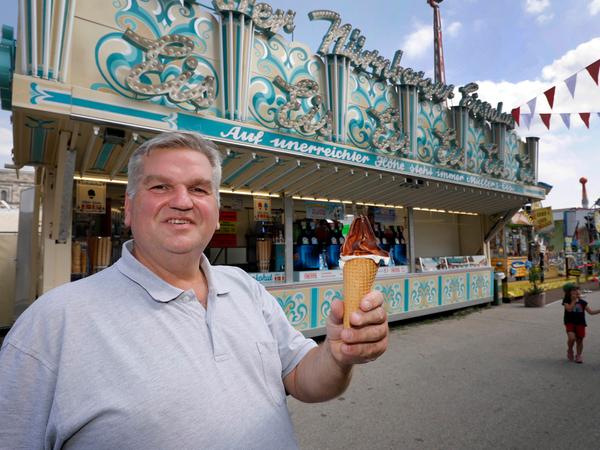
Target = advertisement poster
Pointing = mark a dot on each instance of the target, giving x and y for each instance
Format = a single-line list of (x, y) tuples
[(262, 209), (385, 215), (90, 197)]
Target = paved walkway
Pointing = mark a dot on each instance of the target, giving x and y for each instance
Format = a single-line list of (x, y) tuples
[(493, 378)]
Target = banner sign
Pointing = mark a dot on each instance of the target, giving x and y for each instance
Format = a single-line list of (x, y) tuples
[(324, 210), (90, 197), (385, 215), (255, 137)]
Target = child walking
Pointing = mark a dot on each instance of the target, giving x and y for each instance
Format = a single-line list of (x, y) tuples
[(574, 319)]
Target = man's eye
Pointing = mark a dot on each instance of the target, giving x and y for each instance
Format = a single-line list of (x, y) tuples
[(198, 190), (159, 187)]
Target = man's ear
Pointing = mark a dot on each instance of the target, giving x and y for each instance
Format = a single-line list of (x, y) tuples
[(218, 226), (128, 207)]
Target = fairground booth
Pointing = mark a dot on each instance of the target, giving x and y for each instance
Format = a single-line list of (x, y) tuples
[(310, 138)]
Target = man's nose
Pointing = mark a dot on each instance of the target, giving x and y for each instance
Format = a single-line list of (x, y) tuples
[(181, 198)]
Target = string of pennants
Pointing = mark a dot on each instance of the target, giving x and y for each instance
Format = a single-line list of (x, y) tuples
[(571, 82)]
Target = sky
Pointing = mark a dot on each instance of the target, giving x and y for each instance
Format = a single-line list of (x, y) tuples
[(514, 49)]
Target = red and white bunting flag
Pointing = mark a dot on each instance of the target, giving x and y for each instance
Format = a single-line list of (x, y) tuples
[(531, 104), (546, 119), (571, 83), (516, 112), (586, 119), (566, 118), (593, 69), (550, 96), (527, 119)]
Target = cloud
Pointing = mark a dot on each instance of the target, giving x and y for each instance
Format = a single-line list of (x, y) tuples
[(594, 7), (6, 144), (419, 41), (564, 155), (536, 6), (453, 29), (572, 61), (544, 18)]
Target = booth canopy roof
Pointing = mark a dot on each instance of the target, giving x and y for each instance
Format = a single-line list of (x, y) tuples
[(263, 171)]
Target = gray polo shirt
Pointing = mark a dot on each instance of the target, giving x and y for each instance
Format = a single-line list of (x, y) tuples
[(122, 359)]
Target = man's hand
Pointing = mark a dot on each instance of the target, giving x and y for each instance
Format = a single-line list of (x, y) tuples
[(366, 340), (325, 372)]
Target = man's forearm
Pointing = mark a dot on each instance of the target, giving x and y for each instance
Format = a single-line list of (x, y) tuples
[(318, 377)]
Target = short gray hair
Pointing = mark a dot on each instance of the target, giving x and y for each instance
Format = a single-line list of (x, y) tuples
[(174, 140)]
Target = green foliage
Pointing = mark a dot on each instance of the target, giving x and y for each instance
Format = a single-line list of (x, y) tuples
[(535, 276)]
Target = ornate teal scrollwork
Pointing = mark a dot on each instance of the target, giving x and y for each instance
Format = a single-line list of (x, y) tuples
[(304, 123), (388, 136), (177, 89), (448, 153), (392, 293), (115, 56), (294, 308), (423, 292), (454, 290), (492, 165)]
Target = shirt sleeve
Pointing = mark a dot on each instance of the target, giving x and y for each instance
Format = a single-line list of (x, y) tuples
[(291, 343), (26, 397)]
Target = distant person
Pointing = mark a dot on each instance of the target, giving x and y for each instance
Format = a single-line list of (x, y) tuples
[(575, 309)]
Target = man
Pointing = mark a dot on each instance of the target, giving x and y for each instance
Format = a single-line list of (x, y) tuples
[(162, 350)]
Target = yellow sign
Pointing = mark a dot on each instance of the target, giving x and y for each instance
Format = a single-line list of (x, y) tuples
[(542, 218)]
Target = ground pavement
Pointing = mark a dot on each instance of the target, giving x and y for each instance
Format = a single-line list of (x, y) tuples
[(496, 377)]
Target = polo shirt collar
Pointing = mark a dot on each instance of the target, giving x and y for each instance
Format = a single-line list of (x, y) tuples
[(158, 288)]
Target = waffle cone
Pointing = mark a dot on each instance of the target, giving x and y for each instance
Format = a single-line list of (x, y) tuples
[(359, 275)]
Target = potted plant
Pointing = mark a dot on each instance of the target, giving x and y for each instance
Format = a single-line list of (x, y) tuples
[(535, 296)]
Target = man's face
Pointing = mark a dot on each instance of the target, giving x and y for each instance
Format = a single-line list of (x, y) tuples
[(174, 210)]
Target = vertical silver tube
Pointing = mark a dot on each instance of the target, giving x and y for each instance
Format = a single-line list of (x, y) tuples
[(410, 250), (33, 37), (64, 72), (47, 29), (288, 215), (22, 39), (60, 30)]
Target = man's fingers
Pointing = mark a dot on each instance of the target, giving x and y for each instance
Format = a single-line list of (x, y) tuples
[(373, 317), (371, 301), (363, 353), (372, 333), (336, 314)]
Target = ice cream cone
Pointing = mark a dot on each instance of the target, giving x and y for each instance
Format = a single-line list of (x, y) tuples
[(359, 275)]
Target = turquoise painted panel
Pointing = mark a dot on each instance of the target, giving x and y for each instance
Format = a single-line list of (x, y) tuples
[(511, 148), (295, 304), (328, 295), (453, 288), (432, 118), (115, 57), (291, 61), (366, 92), (476, 135), (393, 294), (423, 293), (480, 285)]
